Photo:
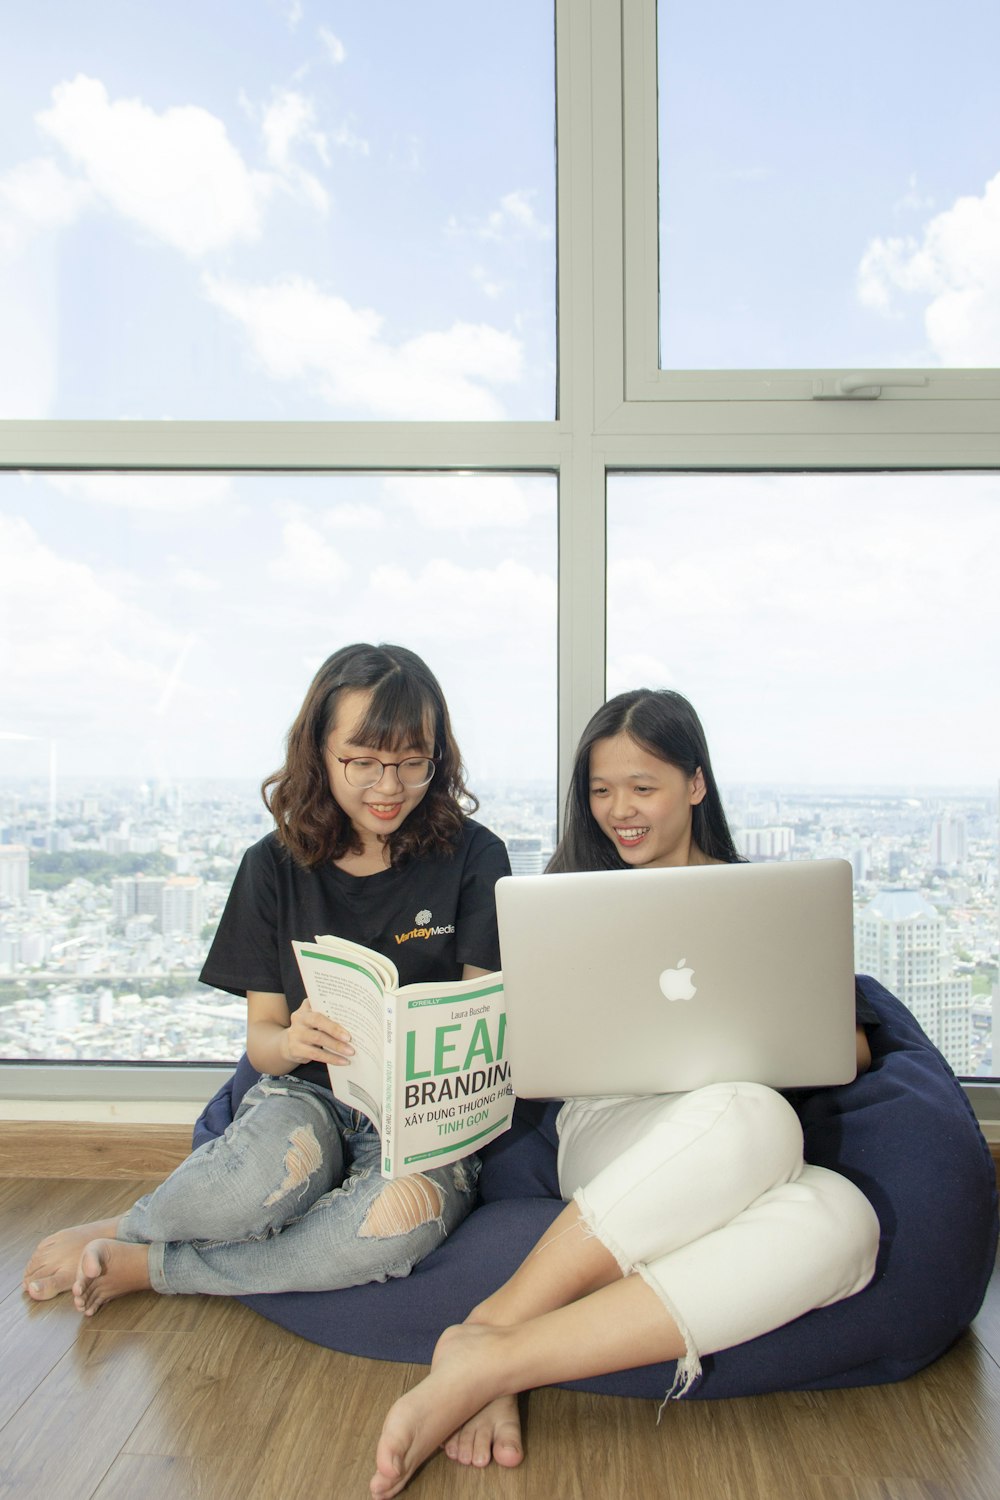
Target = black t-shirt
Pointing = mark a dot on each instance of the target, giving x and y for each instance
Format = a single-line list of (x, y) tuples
[(431, 917)]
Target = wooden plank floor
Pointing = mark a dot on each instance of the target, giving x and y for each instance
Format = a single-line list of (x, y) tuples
[(201, 1399)]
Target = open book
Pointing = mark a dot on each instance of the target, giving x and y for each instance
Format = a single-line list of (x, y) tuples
[(428, 1067)]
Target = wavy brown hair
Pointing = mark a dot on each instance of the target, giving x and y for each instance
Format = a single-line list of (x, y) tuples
[(407, 707)]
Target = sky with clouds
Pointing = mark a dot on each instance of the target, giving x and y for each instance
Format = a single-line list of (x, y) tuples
[(830, 184), (169, 625), (275, 198), (266, 211), (830, 629)]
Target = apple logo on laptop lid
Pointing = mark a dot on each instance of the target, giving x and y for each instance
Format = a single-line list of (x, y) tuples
[(675, 983)]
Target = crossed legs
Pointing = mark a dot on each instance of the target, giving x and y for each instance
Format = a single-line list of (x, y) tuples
[(567, 1312), (56, 1265), (704, 1231), (289, 1199)]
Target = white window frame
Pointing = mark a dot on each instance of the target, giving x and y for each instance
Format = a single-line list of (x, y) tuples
[(813, 407), (616, 412)]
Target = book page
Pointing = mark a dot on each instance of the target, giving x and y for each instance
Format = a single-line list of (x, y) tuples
[(349, 991), (383, 968)]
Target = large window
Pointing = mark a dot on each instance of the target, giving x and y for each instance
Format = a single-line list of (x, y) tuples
[(160, 632), (836, 638), (275, 210), (333, 323), (829, 185)]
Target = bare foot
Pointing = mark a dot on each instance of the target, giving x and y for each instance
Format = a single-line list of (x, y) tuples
[(109, 1269), (464, 1379), (494, 1432), (53, 1266)]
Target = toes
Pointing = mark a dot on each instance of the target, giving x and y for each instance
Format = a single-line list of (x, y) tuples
[(482, 1447), (41, 1288), (386, 1480), (84, 1291), (88, 1301), (508, 1449), (508, 1452), (466, 1446)]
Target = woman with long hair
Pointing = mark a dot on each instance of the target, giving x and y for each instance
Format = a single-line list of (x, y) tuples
[(372, 826), (692, 1222)]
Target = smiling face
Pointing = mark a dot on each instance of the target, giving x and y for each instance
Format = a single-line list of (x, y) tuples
[(644, 804), (379, 810)]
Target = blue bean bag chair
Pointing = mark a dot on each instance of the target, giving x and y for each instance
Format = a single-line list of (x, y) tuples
[(903, 1131)]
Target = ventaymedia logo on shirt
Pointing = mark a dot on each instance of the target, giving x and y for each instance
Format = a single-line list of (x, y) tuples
[(423, 929)]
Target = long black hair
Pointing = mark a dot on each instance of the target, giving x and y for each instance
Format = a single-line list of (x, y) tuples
[(406, 704), (664, 723)]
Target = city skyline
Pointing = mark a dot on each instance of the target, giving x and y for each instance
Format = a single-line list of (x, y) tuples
[(92, 951)]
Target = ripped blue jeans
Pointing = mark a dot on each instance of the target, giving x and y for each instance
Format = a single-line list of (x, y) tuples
[(291, 1198)]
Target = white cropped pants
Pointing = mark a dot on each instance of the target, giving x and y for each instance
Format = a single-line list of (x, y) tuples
[(706, 1196)]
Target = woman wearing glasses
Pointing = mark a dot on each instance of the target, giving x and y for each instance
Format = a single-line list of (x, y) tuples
[(373, 843)]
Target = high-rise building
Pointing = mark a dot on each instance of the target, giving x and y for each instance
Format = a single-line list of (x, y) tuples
[(900, 940), (525, 852), (771, 842), (948, 842), (182, 907), (137, 896), (14, 873)]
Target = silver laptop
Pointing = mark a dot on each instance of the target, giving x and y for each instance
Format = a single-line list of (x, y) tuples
[(651, 981)]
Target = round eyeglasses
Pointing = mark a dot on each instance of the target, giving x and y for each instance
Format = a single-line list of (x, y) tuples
[(364, 771)]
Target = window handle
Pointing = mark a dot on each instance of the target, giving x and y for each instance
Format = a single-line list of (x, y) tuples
[(861, 387)]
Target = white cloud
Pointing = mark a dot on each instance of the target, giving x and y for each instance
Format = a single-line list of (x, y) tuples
[(487, 284), (355, 515), (913, 200), (955, 269), (175, 174), (460, 502), (289, 120), (335, 49), (823, 619), (80, 658), (509, 606), (35, 196), (633, 669), (307, 558), (28, 377), (298, 332), (348, 138), (514, 219), (36, 201), (193, 581), (892, 265), (151, 493)]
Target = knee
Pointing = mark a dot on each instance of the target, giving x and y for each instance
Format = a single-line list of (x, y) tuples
[(303, 1158), (759, 1124), (846, 1225), (402, 1206)]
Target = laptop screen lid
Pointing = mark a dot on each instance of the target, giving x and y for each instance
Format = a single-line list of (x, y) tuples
[(660, 980)]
